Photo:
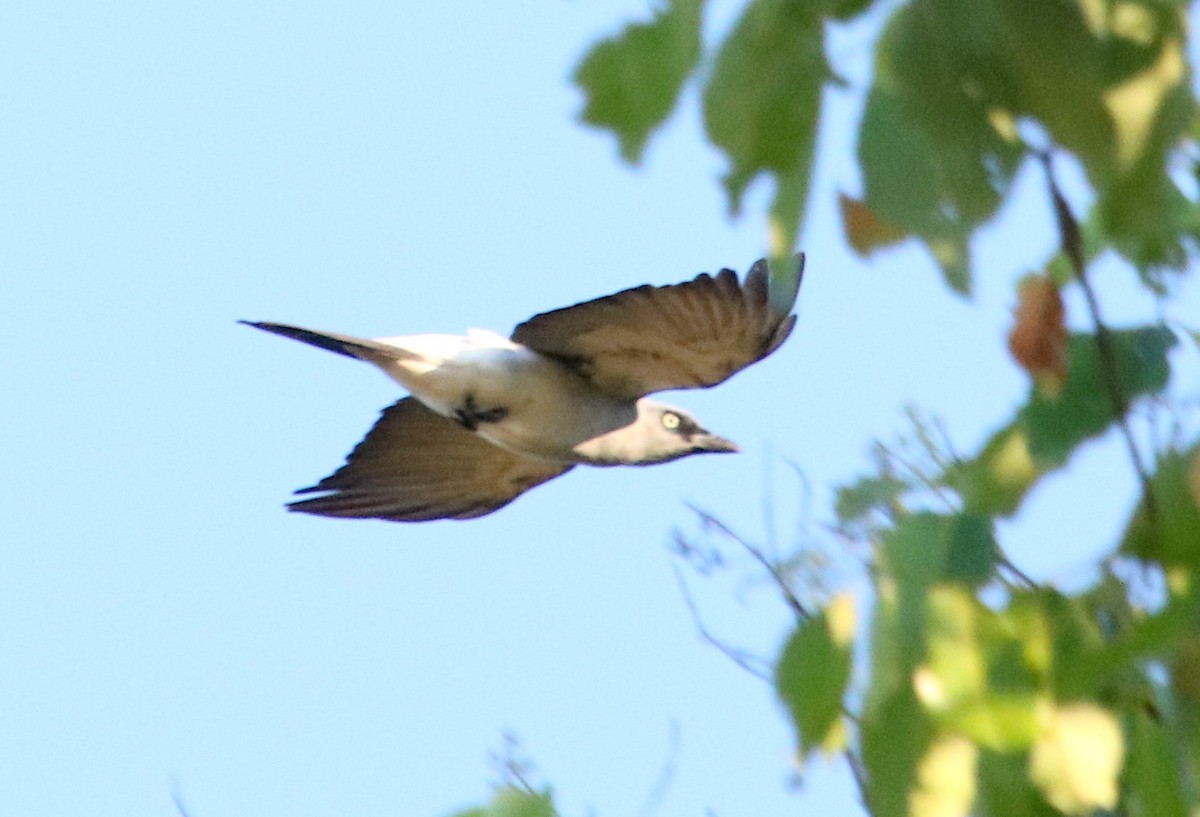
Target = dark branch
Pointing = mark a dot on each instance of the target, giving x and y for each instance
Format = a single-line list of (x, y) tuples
[(860, 776), (1072, 245)]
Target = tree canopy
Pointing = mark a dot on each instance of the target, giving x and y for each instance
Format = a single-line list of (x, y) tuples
[(961, 685)]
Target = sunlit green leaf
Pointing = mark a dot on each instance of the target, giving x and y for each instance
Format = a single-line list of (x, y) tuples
[(923, 550), (1151, 103), (511, 802), (633, 79), (1047, 430), (945, 779), (813, 673), (1000, 721), (1078, 758), (762, 102), (954, 668), (986, 674)]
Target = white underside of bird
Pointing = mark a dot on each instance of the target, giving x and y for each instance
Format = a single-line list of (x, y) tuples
[(524, 402)]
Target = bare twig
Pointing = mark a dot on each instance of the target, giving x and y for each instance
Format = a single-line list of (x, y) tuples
[(798, 608), (739, 657), (177, 799), (919, 474), (657, 794), (859, 774), (1072, 245), (1021, 575)]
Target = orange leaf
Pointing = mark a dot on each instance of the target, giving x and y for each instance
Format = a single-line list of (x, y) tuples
[(865, 230), (1038, 341)]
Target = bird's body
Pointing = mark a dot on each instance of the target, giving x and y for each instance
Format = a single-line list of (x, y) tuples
[(490, 417), (508, 394)]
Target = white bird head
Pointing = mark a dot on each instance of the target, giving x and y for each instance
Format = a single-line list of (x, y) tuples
[(659, 434)]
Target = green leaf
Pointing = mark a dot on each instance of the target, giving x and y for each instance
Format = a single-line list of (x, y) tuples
[(762, 103), (632, 80), (923, 550), (512, 802), (1150, 101), (926, 548), (847, 9), (1047, 430), (1041, 60), (895, 735), (1165, 528), (1005, 789), (985, 674), (1076, 638), (1152, 781), (936, 159), (813, 672), (857, 501), (954, 669), (972, 552), (1152, 636)]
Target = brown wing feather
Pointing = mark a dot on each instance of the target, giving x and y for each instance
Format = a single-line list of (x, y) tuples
[(416, 465), (647, 339)]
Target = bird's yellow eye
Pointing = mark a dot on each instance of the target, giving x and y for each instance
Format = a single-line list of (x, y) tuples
[(670, 420)]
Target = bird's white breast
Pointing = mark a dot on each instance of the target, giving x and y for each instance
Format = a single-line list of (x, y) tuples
[(549, 409)]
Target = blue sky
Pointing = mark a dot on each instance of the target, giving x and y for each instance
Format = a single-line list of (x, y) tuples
[(170, 168)]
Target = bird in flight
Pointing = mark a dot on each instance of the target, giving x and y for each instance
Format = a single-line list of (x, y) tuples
[(490, 417)]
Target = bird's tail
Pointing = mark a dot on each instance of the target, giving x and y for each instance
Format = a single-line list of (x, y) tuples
[(348, 345)]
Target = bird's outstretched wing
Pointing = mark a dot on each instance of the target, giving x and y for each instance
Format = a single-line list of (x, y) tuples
[(416, 465), (684, 336)]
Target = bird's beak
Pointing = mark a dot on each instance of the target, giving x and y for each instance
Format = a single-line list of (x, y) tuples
[(714, 444)]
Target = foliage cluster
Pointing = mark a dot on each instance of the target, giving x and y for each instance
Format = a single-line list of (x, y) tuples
[(965, 687)]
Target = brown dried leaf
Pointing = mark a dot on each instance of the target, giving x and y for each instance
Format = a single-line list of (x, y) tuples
[(865, 230), (1038, 341)]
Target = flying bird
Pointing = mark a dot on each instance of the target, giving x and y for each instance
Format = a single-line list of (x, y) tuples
[(490, 417)]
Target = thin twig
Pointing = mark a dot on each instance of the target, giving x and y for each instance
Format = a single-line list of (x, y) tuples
[(666, 775), (1072, 245), (736, 656), (859, 774), (921, 477), (177, 799), (1018, 572), (777, 576)]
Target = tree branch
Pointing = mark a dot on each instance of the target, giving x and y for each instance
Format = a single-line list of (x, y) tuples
[(797, 607), (1072, 246)]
